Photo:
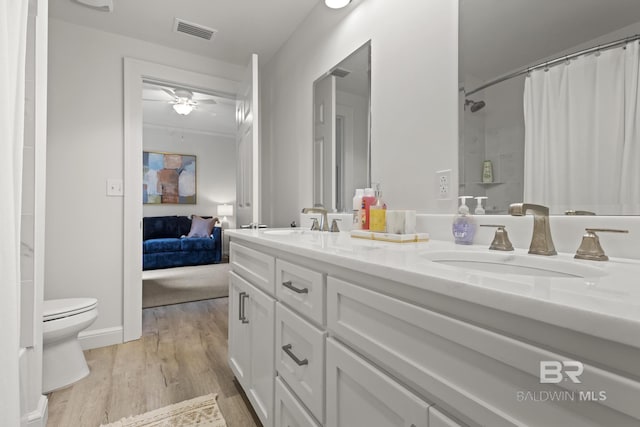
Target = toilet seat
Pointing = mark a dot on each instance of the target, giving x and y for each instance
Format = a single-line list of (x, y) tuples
[(60, 308)]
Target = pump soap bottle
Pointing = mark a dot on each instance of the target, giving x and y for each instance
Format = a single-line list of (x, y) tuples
[(378, 213), (368, 199), (357, 205), (464, 226), (479, 208)]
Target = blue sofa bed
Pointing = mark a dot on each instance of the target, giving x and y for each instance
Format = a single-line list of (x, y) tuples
[(165, 243)]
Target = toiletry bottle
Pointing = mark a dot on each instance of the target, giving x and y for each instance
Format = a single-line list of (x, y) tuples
[(487, 171), (464, 226), (368, 199), (479, 208), (357, 205), (378, 213)]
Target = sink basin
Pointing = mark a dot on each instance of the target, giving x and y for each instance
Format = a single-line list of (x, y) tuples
[(509, 263)]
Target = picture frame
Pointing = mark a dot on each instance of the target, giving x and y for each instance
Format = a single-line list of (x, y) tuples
[(168, 178)]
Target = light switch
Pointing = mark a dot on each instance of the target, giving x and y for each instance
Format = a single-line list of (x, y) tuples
[(115, 187)]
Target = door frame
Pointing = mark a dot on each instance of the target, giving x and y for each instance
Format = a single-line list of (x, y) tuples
[(135, 72)]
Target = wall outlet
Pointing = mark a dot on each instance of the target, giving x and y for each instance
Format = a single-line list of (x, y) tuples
[(443, 184)]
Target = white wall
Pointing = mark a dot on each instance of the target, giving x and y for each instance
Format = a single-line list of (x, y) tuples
[(84, 236), (215, 168), (414, 61)]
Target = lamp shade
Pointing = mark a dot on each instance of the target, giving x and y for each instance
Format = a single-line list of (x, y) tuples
[(225, 210)]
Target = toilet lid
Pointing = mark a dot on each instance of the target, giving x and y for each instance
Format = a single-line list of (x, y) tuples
[(58, 308)]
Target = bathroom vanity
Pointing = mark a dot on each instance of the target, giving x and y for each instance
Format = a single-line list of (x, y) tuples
[(328, 330)]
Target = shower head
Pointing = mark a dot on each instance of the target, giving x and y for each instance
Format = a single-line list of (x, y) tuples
[(475, 106)]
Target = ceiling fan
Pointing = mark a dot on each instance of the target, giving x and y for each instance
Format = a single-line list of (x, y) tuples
[(183, 100)]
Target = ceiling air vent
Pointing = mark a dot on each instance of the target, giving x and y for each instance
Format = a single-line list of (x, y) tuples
[(195, 30)]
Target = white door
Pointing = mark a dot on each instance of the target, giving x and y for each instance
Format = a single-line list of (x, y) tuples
[(359, 394), (239, 333), (324, 145), (248, 147)]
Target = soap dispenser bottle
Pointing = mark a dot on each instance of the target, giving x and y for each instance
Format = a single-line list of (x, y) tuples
[(479, 208), (464, 226), (378, 213), (357, 205), (368, 199)]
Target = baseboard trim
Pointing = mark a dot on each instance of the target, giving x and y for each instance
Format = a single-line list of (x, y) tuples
[(38, 418), (100, 337)]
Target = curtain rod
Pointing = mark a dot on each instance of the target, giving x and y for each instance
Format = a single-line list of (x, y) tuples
[(555, 61)]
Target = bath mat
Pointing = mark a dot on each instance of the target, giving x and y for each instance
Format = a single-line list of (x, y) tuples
[(202, 411)]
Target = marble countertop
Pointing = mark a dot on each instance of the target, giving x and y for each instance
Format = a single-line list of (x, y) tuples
[(605, 304)]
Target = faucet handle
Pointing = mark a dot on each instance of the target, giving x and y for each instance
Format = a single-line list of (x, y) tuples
[(334, 225), (501, 240), (314, 225), (590, 247)]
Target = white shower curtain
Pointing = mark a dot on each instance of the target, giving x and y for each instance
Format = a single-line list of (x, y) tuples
[(13, 34), (582, 136)]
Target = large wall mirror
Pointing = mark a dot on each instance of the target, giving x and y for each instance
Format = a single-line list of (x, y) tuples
[(564, 134), (341, 131)]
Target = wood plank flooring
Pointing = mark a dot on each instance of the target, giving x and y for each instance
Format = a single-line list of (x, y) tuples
[(182, 354)]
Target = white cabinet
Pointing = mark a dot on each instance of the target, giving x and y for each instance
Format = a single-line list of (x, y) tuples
[(348, 350), (289, 411), (438, 419), (300, 358), (302, 289), (239, 334), (251, 344), (359, 394)]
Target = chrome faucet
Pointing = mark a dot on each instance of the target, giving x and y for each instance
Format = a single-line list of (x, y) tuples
[(324, 226), (541, 241)]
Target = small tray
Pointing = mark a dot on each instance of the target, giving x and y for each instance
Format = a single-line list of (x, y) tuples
[(390, 237)]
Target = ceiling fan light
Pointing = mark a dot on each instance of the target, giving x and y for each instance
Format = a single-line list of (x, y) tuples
[(336, 4), (182, 108)]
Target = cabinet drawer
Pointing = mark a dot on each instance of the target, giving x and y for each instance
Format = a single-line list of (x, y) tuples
[(438, 419), (300, 358), (477, 375), (289, 411), (359, 394), (256, 267), (301, 289)]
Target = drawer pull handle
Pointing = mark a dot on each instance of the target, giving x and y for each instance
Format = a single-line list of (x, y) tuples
[(243, 316), (287, 349), (289, 285)]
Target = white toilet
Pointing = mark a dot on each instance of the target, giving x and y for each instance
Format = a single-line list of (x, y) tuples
[(63, 362)]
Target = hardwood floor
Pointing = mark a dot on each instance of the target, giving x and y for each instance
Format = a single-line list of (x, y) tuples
[(182, 354)]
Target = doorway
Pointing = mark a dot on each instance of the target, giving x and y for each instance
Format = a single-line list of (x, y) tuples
[(138, 72)]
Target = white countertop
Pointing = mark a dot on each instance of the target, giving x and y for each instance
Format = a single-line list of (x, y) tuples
[(605, 304)]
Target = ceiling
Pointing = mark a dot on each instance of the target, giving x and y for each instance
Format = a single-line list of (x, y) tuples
[(206, 119), (500, 36), (244, 26)]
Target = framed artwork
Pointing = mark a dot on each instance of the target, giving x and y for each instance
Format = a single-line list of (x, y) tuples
[(168, 178)]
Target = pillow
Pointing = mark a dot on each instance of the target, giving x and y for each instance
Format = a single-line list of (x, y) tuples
[(201, 227)]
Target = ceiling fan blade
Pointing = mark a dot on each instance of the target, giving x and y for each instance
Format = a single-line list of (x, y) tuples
[(206, 101), (155, 100), (169, 91)]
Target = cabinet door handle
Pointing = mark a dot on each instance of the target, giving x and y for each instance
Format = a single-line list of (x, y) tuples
[(242, 316), (289, 285), (240, 296), (287, 349)]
